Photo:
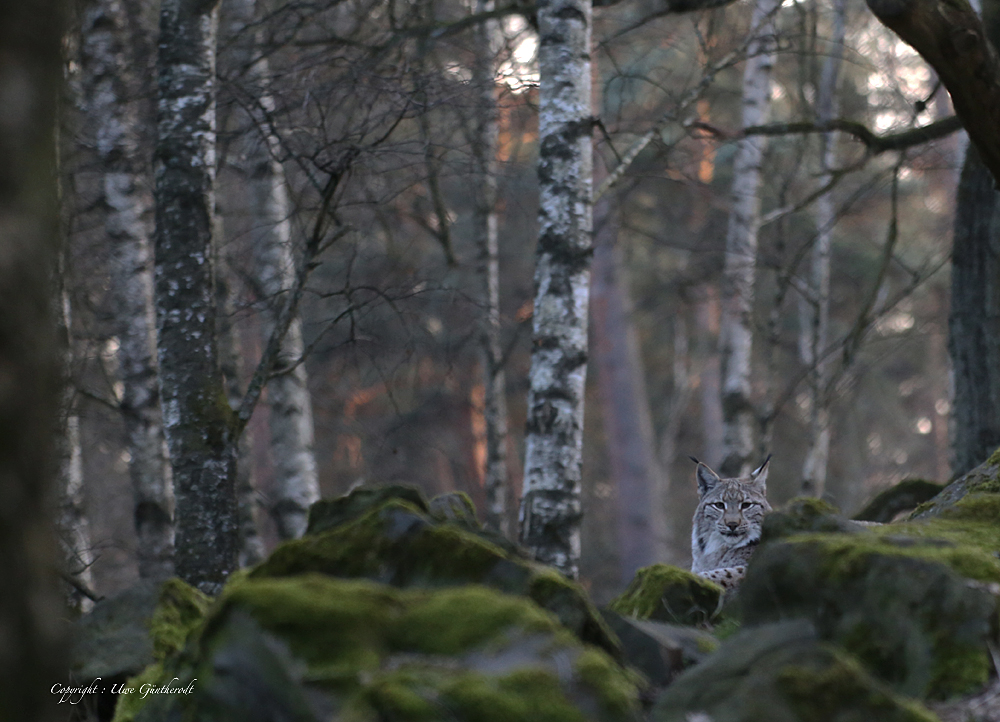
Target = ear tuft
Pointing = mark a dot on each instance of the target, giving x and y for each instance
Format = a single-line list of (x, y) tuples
[(758, 476), (707, 479)]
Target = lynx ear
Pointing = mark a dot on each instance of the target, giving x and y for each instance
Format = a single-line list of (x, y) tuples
[(758, 476), (707, 479)]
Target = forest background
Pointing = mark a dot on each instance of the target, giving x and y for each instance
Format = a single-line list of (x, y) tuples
[(365, 148)]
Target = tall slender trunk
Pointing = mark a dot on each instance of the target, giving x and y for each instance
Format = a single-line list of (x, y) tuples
[(628, 426), (111, 86), (550, 504), (485, 236), (815, 310), (296, 483), (739, 273), (73, 525), (199, 424), (30, 610)]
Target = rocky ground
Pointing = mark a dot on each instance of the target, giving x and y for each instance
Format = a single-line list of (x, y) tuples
[(395, 608)]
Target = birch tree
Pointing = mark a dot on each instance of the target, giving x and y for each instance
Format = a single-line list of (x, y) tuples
[(296, 484), (111, 63), (30, 625), (200, 427), (550, 504), (815, 309), (739, 273), (484, 222)]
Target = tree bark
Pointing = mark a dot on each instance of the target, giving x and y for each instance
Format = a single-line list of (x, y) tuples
[(485, 236), (739, 273), (296, 483), (550, 504), (974, 319), (111, 64), (30, 608), (815, 310), (952, 38), (200, 426), (73, 525)]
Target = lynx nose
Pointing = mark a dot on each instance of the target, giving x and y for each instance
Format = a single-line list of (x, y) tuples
[(732, 524)]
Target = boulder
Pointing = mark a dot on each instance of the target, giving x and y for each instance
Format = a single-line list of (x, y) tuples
[(915, 602), (113, 639), (313, 647), (665, 593), (781, 673), (907, 495), (395, 541), (984, 479), (659, 650)]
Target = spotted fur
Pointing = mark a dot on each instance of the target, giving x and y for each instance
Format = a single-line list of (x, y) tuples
[(726, 525), (728, 577)]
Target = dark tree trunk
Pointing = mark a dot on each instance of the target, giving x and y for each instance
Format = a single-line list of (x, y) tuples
[(974, 320), (200, 427), (30, 610)]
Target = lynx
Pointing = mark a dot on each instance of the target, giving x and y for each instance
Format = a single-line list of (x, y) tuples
[(726, 526)]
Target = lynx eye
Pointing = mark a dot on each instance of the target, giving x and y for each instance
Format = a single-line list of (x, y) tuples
[(746, 505), (721, 505)]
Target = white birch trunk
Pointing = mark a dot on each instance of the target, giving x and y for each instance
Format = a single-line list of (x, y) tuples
[(110, 68), (484, 230), (296, 484), (74, 528), (815, 310), (550, 505), (736, 333)]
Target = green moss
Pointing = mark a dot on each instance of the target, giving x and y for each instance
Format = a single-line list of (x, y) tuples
[(616, 688), (976, 507), (397, 696), (128, 705), (453, 620), (330, 513), (726, 628), (336, 626), (669, 594), (845, 556), (958, 667), (532, 694), (820, 694), (455, 507), (994, 458), (181, 608), (566, 599)]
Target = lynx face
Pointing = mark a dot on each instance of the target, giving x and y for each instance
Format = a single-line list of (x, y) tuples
[(727, 521)]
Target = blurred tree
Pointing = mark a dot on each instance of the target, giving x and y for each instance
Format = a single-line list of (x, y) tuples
[(295, 485), (739, 273), (486, 238), (30, 608), (113, 56), (815, 309)]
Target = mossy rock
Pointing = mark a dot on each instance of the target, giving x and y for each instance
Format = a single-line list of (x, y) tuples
[(805, 514), (666, 593), (781, 673), (660, 650), (113, 639), (398, 543), (312, 647), (902, 602), (904, 496), (984, 479), (330, 513)]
